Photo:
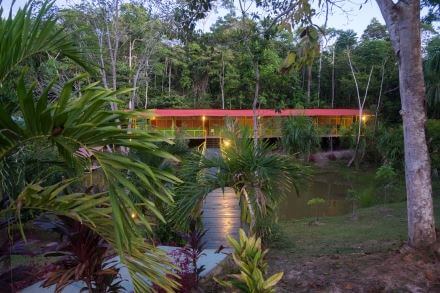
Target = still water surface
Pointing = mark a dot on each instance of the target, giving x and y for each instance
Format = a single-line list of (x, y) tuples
[(330, 185)]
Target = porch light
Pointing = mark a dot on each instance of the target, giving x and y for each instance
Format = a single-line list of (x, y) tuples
[(133, 215), (226, 143), (153, 118), (364, 118), (203, 118)]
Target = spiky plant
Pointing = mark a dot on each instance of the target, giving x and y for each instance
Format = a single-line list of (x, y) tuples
[(250, 259), (26, 34), (80, 133), (84, 134), (259, 175), (299, 136)]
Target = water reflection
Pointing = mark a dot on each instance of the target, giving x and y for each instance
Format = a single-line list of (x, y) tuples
[(329, 186)]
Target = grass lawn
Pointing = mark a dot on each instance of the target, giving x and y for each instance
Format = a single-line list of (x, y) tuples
[(378, 228), (344, 255)]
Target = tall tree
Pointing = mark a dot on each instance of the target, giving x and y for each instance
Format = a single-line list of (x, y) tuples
[(403, 23), (375, 31)]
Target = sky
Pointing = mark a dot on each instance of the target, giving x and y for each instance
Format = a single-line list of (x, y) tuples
[(352, 17)]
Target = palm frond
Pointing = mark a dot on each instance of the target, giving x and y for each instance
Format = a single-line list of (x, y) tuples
[(265, 175), (23, 35), (84, 132), (299, 135), (146, 263)]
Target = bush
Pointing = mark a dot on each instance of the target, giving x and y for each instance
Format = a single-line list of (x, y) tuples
[(386, 180), (390, 146), (367, 197), (433, 138), (250, 259), (316, 202), (299, 136)]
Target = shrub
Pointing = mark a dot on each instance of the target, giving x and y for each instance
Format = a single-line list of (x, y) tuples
[(187, 272), (86, 257), (250, 259), (299, 136), (433, 138), (316, 202), (390, 146), (385, 180)]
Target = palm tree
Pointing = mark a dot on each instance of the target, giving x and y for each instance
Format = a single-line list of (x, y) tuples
[(299, 136), (25, 35), (260, 177), (80, 133), (84, 134)]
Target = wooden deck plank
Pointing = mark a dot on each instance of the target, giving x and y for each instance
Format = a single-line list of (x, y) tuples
[(221, 217)]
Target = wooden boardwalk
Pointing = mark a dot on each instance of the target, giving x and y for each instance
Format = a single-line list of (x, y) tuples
[(221, 217)]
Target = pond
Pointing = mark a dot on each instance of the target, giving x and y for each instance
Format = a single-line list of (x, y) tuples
[(331, 184)]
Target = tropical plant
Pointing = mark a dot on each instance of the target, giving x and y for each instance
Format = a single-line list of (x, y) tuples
[(83, 256), (299, 136), (194, 250), (386, 179), (347, 136), (249, 256), (25, 34), (84, 134), (187, 257), (432, 73), (259, 176), (354, 197), (433, 136), (315, 203), (390, 146)]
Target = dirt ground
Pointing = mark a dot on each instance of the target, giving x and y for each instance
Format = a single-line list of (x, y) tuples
[(404, 270)]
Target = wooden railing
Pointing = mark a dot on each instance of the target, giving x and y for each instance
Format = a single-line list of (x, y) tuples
[(218, 132), (187, 133)]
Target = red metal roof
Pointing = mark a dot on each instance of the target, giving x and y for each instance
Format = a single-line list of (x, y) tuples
[(249, 113)]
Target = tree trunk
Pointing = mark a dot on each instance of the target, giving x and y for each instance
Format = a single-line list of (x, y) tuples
[(101, 61), (319, 75), (222, 82), (135, 80), (252, 215), (165, 70), (130, 58), (403, 23), (361, 103), (146, 88), (255, 103), (309, 82), (333, 78), (169, 81), (333, 91), (376, 114)]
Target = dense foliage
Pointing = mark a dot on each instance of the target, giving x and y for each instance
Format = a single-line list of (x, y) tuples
[(142, 47)]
